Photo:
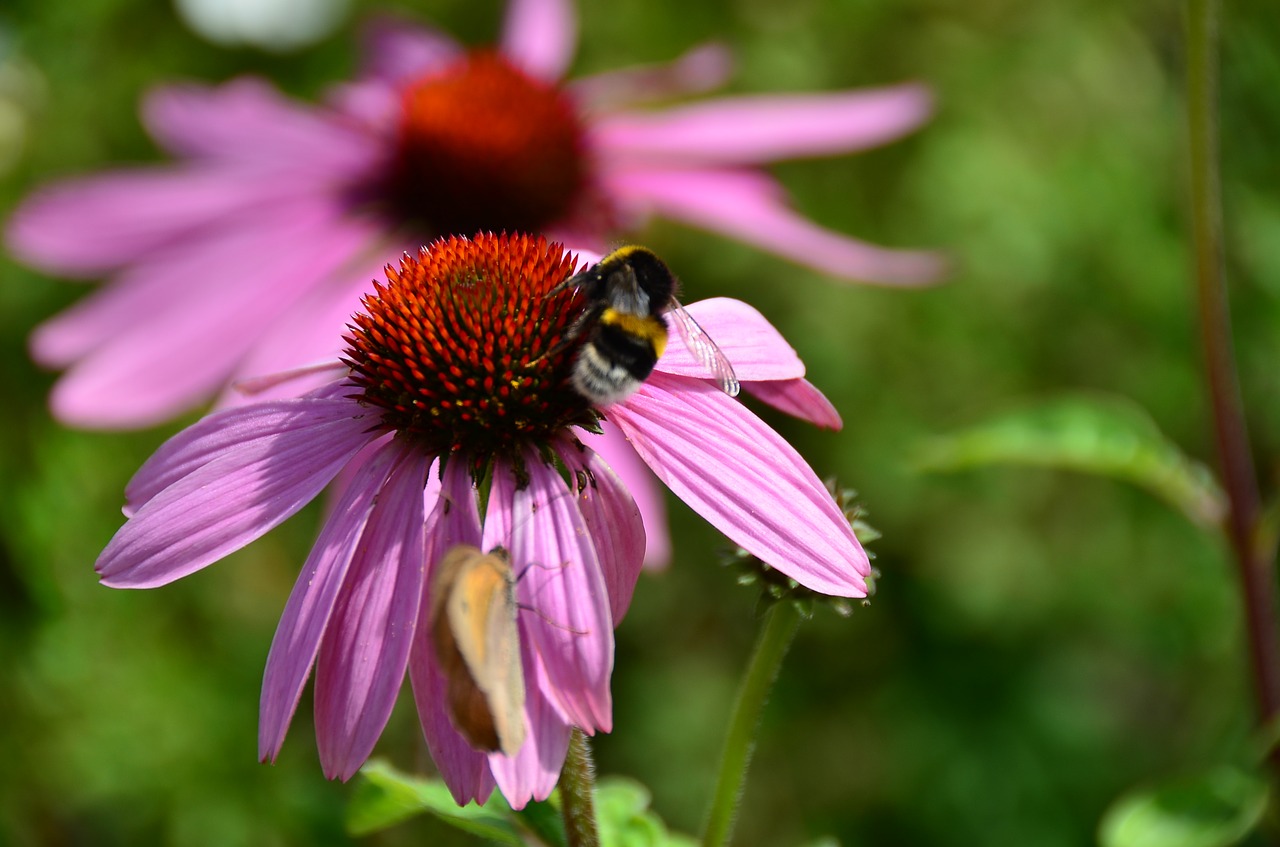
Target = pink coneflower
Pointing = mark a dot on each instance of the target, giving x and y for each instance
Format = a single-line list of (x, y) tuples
[(246, 254), (456, 391)]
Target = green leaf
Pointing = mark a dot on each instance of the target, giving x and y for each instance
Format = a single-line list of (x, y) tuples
[(624, 818), (544, 820), (386, 797), (1099, 434), (1214, 809)]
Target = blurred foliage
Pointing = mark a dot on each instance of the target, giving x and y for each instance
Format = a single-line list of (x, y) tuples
[(385, 797), (1097, 434), (1040, 642), (1214, 809)]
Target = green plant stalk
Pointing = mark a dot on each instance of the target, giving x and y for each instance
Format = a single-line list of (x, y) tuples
[(577, 782), (1234, 458), (781, 623)]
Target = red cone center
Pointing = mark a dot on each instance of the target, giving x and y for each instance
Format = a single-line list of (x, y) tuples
[(483, 146)]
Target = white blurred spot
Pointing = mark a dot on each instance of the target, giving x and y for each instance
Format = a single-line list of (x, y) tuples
[(22, 94), (276, 25)]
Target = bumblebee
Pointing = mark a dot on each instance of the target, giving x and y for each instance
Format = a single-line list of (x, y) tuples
[(630, 298)]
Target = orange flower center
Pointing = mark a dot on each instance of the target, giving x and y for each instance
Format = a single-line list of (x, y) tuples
[(462, 347), (482, 146)]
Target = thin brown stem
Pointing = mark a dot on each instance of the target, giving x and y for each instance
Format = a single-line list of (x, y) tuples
[(1234, 458)]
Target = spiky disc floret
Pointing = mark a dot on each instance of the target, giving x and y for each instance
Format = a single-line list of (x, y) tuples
[(484, 146), (462, 347)]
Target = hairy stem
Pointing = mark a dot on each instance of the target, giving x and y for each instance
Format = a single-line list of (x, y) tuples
[(577, 781), (781, 623)]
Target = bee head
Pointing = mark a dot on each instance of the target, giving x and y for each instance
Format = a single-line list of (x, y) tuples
[(639, 268)]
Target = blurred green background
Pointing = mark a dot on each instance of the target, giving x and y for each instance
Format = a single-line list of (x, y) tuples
[(1040, 641)]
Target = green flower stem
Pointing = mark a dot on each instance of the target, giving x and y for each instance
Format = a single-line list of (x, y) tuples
[(577, 781), (781, 623), (1239, 476)]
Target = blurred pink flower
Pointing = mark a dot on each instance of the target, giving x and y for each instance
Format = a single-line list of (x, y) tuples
[(455, 374), (247, 253)]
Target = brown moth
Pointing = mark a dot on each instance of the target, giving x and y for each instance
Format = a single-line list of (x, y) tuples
[(473, 624)]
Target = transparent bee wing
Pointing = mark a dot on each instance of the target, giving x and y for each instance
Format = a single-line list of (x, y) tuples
[(704, 349)]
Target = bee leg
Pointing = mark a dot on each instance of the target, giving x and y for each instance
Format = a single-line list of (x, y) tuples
[(575, 331)]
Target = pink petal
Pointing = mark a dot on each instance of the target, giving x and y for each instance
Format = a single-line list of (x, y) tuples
[(500, 516), (146, 293), (372, 105), (765, 128), (262, 386), (248, 119), (704, 68), (260, 426), (164, 361), (614, 522), (396, 51), (236, 497), (752, 345), (639, 481), (798, 398), (562, 589), (741, 206), (312, 329), (745, 480), (464, 769), (455, 520), (306, 615), (91, 226), (539, 36), (365, 650), (533, 772)]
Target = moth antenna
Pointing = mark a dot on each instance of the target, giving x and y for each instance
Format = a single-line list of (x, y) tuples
[(556, 624)]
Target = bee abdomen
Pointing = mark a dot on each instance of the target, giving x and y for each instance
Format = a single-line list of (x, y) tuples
[(619, 356)]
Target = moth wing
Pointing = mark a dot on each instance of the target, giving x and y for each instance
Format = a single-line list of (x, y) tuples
[(468, 706), (704, 349), (482, 616)]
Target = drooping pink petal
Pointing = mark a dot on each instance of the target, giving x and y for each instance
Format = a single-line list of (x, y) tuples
[(799, 398), (312, 329), (90, 226), (223, 505), (160, 364), (306, 615), (614, 520), (195, 273), (613, 447), (260, 427), (539, 36), (365, 650), (395, 51), (455, 520), (703, 68), (249, 119), (262, 386), (745, 480), (464, 770), (752, 345), (371, 104), (561, 584), (754, 130), (743, 206), (533, 772)]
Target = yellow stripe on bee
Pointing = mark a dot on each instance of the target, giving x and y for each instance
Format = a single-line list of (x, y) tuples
[(646, 327), (623, 253)]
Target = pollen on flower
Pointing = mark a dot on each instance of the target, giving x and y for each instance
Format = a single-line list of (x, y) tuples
[(462, 347), (482, 146)]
